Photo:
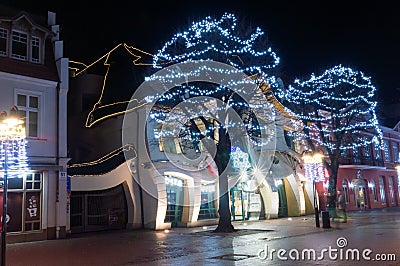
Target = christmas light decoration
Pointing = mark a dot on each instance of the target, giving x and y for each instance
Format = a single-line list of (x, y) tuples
[(338, 105), (215, 40), (13, 157), (211, 38), (80, 68), (123, 152), (17, 159)]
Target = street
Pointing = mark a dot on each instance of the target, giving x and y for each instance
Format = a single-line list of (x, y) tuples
[(366, 237)]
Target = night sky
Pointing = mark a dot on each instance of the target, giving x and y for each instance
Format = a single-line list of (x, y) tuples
[(308, 36)]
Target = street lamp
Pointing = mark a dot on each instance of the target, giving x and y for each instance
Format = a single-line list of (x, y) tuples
[(314, 171), (12, 136)]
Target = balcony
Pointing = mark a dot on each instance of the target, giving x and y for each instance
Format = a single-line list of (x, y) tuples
[(361, 161)]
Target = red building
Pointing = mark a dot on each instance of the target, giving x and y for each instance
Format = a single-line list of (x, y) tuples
[(368, 175)]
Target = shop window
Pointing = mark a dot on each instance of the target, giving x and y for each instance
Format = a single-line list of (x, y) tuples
[(398, 185), (19, 45), (3, 41), (32, 211), (382, 190), (346, 191), (24, 203), (207, 205), (175, 199), (374, 190), (391, 190)]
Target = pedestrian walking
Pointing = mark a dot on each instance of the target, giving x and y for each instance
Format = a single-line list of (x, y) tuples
[(341, 206)]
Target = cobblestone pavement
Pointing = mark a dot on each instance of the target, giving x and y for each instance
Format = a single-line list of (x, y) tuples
[(296, 237)]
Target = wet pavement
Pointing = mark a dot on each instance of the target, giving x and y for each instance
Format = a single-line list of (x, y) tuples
[(367, 236)]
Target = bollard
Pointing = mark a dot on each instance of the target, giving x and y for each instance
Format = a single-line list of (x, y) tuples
[(326, 223)]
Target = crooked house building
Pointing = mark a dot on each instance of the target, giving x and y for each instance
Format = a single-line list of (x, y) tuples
[(144, 183), (83, 177)]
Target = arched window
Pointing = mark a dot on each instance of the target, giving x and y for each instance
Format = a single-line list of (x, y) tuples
[(382, 190), (391, 190), (374, 190), (345, 190)]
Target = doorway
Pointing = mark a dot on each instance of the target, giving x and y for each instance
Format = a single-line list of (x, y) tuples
[(283, 207), (98, 210)]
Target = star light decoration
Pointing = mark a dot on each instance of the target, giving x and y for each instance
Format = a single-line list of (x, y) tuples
[(341, 101), (217, 40)]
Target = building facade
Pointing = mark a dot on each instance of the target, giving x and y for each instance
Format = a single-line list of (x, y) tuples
[(144, 181), (158, 192), (368, 175), (34, 78)]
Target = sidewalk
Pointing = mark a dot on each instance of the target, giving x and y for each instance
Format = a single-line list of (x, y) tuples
[(201, 246)]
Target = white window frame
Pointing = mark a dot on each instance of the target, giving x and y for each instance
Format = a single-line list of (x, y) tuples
[(19, 57), (35, 40), (27, 109), (4, 35)]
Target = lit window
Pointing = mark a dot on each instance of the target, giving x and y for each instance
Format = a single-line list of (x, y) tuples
[(398, 185), (377, 152), (24, 200), (395, 149), (346, 191), (386, 150), (29, 108), (35, 49), (391, 190), (3, 41), (367, 151), (374, 190), (382, 190), (19, 45)]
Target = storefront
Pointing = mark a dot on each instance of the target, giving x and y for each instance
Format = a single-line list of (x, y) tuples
[(208, 202), (245, 204), (24, 200), (175, 200)]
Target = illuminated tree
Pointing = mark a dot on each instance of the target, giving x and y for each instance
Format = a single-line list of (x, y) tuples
[(212, 115), (337, 109)]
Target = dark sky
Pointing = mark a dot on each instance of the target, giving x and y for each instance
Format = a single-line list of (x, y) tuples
[(308, 36)]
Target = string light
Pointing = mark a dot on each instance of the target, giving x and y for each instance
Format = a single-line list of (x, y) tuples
[(224, 41), (339, 94)]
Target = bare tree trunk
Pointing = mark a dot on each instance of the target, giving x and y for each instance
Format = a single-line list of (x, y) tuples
[(331, 198), (222, 160)]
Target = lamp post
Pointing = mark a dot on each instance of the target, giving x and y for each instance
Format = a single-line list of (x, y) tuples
[(11, 132), (311, 163)]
